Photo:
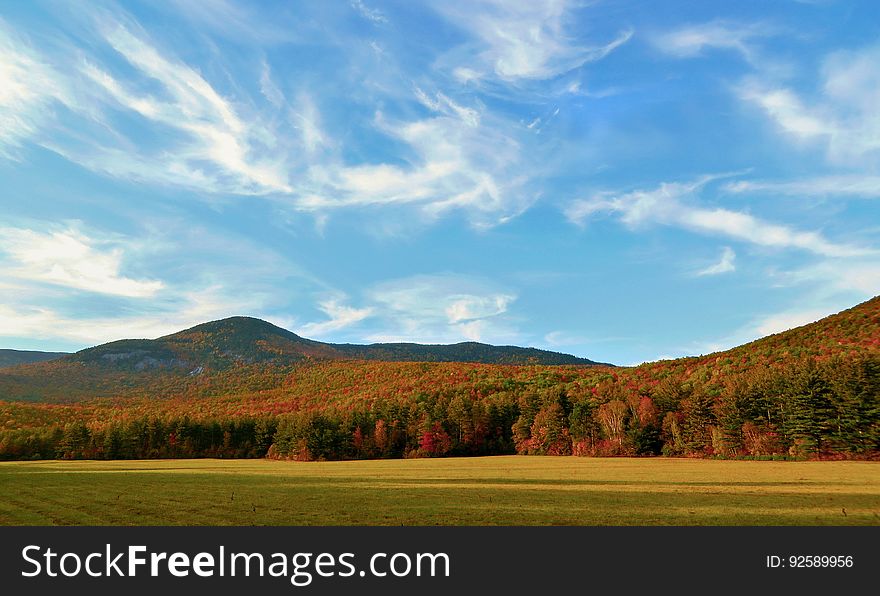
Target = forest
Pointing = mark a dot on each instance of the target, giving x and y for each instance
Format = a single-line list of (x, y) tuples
[(813, 392), (804, 409)]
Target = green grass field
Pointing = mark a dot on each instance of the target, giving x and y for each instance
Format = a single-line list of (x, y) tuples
[(515, 490)]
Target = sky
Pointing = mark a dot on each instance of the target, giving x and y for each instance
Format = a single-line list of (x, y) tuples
[(624, 181)]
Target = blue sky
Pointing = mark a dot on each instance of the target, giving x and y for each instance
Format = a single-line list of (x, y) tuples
[(624, 181)]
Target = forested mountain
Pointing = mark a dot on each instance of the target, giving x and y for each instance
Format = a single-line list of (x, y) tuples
[(215, 345), (226, 356), (469, 351), (810, 392), (14, 357), (245, 340)]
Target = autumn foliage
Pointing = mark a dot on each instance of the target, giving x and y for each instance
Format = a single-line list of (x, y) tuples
[(807, 393)]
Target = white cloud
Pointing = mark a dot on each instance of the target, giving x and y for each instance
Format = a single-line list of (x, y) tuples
[(371, 14), (205, 143), (835, 278), (70, 259), (307, 120), (850, 185), (74, 287), (524, 39), (268, 87), (458, 159), (441, 309), (842, 112), (691, 40), (28, 87), (444, 105), (787, 109), (215, 132), (724, 265), (563, 338), (219, 140), (466, 75), (468, 307), (236, 21), (341, 316), (665, 205), (45, 323)]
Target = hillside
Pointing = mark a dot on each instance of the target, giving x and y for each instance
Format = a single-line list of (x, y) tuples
[(16, 357), (461, 352), (215, 345), (852, 332), (809, 392), (226, 356)]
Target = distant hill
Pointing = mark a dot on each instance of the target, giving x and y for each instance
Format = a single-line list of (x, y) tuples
[(246, 340), (259, 352), (214, 345), (461, 352), (15, 357)]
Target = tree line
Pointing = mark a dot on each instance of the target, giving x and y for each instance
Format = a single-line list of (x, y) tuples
[(801, 409)]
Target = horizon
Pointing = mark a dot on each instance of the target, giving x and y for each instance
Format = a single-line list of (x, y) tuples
[(620, 185), (595, 361)]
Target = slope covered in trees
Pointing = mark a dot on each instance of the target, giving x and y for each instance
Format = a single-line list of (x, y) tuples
[(809, 392), (230, 355), (15, 357)]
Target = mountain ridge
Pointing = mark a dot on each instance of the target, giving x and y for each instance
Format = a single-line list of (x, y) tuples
[(243, 355), (810, 392), (231, 354), (9, 357), (251, 340)]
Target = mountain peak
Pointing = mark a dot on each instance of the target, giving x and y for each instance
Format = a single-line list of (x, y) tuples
[(238, 324)]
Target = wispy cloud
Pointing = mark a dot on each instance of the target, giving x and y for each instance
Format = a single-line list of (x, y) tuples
[(47, 323), (841, 112), (693, 40), (28, 88), (523, 39), (218, 141), (340, 317), (69, 258), (236, 21), (268, 87), (459, 159), (371, 14), (857, 277), (558, 339), (441, 309), (676, 204), (724, 265), (789, 112), (846, 185), (75, 286)]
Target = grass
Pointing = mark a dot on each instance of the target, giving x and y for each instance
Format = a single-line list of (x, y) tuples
[(514, 490)]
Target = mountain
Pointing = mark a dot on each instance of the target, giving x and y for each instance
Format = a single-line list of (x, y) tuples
[(245, 340), (259, 354), (469, 351), (241, 355), (239, 388), (213, 345), (15, 357)]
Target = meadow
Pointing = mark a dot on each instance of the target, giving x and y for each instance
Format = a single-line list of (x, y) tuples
[(504, 490)]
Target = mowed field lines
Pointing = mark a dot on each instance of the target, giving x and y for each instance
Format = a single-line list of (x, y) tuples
[(514, 490)]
